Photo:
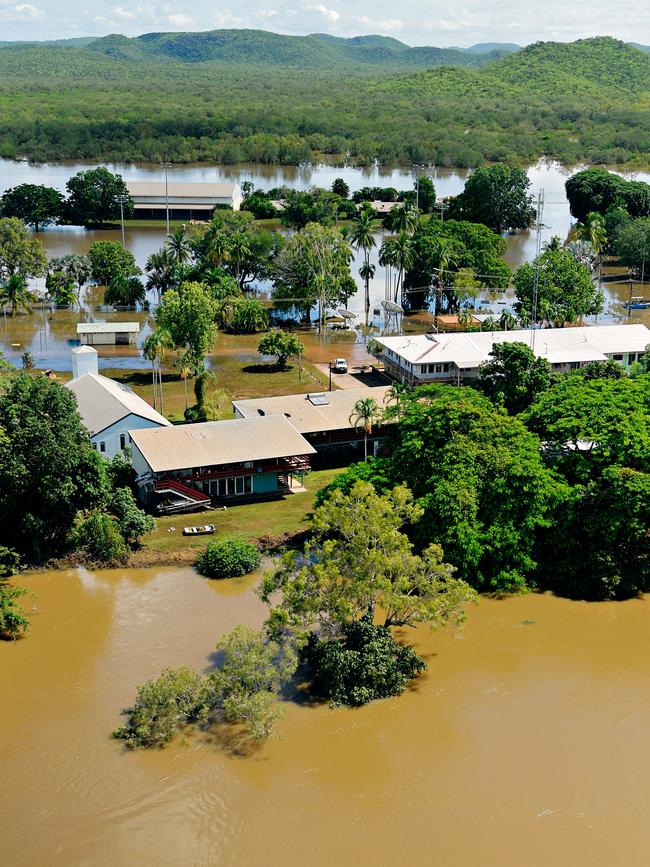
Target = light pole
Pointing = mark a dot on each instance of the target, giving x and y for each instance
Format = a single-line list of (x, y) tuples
[(416, 184), (122, 200), (166, 166)]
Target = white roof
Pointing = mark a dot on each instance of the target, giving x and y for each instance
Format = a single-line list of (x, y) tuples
[(182, 190), (102, 402), (213, 443), (84, 350), (558, 345), (308, 416), (106, 327)]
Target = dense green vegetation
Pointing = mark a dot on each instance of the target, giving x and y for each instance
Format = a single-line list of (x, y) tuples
[(274, 99), (228, 558)]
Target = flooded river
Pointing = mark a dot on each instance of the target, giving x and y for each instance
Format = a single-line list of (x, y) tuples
[(524, 744)]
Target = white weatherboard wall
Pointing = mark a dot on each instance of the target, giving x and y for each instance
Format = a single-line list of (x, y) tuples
[(111, 437)]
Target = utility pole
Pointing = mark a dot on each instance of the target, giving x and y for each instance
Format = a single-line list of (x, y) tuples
[(538, 250), (122, 200), (166, 166)]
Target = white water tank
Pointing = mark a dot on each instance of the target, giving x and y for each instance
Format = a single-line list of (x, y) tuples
[(84, 360)]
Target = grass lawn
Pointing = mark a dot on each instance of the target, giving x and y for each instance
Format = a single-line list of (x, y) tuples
[(237, 378), (250, 521)]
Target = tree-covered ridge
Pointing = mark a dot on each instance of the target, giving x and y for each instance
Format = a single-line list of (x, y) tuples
[(316, 51), (582, 102)]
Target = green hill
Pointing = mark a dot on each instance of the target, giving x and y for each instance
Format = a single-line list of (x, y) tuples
[(317, 51), (234, 96)]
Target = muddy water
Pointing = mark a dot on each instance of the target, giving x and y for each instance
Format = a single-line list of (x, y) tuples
[(525, 744)]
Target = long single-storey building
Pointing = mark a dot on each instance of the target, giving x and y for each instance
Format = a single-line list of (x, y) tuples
[(187, 201), (185, 467), (422, 358), (107, 333), (323, 418), (108, 409)]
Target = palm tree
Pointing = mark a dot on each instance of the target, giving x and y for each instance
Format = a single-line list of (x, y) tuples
[(16, 295), (154, 350), (179, 246), (593, 230), (238, 252), (161, 269), (361, 237), (466, 318), (394, 400), (446, 257), (364, 413), (507, 321), (403, 256), (403, 219), (216, 245)]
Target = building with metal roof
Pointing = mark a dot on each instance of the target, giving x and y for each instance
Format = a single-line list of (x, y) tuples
[(422, 358), (187, 466), (107, 333), (185, 200), (323, 418), (109, 410)]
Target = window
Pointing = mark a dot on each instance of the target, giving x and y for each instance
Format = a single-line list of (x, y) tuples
[(239, 485), (94, 445), (122, 441), (102, 446), (617, 357)]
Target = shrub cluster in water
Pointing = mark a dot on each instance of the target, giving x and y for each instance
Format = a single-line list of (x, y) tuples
[(228, 558), (365, 664)]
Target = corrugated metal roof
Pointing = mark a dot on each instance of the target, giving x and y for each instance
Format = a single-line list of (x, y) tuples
[(103, 402), (219, 442), (558, 345), (107, 327), (181, 190), (307, 417)]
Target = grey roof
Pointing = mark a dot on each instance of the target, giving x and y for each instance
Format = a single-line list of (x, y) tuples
[(213, 443), (102, 402), (312, 416), (106, 327)]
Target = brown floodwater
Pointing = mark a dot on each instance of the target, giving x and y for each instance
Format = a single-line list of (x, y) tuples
[(525, 743)]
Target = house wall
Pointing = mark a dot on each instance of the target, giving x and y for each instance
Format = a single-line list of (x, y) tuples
[(110, 436), (104, 338)]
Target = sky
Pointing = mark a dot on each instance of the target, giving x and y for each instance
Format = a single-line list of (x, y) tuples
[(416, 22)]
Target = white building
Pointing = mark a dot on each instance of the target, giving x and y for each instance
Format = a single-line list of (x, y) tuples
[(186, 200), (456, 357), (108, 409), (107, 333)]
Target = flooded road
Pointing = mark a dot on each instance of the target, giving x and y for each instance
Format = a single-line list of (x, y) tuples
[(524, 744)]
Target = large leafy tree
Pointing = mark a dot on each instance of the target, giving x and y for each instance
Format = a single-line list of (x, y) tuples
[(632, 245), (596, 189), (48, 470), (564, 287), (108, 260), (479, 478), (360, 562), (513, 376), (19, 252), (314, 266), (496, 196), (93, 197), (34, 204), (233, 242), (187, 314), (282, 345)]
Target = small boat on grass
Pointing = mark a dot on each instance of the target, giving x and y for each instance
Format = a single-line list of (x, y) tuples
[(204, 530)]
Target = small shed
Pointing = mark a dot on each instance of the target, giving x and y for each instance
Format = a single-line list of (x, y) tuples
[(107, 333)]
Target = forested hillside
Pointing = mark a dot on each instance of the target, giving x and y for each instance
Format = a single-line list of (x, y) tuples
[(270, 98)]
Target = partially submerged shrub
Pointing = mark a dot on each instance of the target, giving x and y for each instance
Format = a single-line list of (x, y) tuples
[(13, 622), (133, 522), (228, 558), (163, 705), (365, 664), (9, 562)]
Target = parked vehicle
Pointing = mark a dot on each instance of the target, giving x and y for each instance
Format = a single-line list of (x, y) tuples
[(340, 365), (205, 530)]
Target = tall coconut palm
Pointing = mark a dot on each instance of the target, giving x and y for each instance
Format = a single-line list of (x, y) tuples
[(593, 230), (238, 252), (15, 295), (364, 414), (179, 246), (154, 349), (362, 237), (445, 255), (399, 253), (216, 245)]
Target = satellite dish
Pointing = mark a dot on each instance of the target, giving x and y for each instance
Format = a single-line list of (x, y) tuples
[(391, 307), (347, 314)]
